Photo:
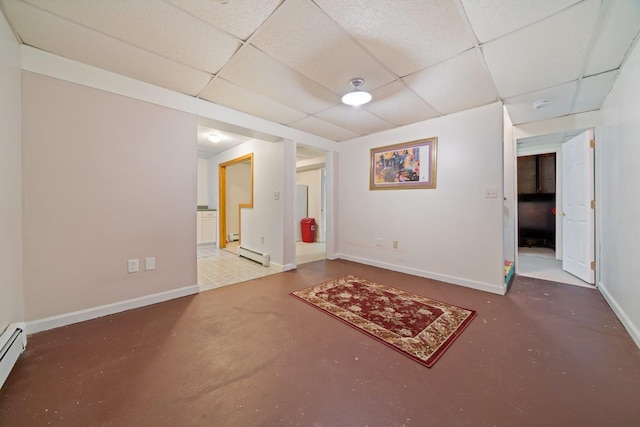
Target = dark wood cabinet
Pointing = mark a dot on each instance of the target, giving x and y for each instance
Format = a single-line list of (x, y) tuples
[(537, 200)]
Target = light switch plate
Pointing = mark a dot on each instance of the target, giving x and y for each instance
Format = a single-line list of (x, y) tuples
[(150, 263), (132, 266)]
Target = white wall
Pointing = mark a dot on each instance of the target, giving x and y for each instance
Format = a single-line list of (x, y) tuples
[(203, 187), (452, 233), (618, 196), (11, 293), (265, 220), (106, 179)]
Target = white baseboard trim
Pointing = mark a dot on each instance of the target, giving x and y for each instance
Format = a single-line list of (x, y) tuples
[(481, 286), (288, 267), (620, 313), (105, 310)]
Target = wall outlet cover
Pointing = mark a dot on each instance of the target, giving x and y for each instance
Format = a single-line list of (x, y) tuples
[(132, 266)]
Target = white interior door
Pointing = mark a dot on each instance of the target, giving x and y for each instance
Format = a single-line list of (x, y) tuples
[(577, 213)]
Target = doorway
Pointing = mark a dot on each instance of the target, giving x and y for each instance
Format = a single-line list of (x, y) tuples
[(548, 241), (310, 202), (235, 194)]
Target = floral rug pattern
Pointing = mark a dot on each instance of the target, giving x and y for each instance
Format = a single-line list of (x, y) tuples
[(416, 326)]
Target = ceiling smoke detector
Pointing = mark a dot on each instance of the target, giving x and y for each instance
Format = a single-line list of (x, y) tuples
[(356, 97)]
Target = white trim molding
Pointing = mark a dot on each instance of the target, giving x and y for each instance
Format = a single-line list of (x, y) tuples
[(105, 310), (500, 289), (622, 316)]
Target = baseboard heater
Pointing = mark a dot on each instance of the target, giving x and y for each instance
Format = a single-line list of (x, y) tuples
[(254, 256), (12, 342), (233, 237)]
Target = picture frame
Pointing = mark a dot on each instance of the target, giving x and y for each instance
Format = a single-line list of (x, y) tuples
[(408, 165)]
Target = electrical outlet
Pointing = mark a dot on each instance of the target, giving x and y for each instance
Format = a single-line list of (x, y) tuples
[(379, 242), (491, 193), (132, 266), (395, 244), (262, 240), (150, 263)]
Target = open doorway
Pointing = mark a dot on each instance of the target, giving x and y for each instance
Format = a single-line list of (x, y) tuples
[(310, 205), (555, 176), (235, 194)]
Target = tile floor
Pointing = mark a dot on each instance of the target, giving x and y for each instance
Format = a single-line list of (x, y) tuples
[(541, 263), (220, 267), (217, 268), (309, 252)]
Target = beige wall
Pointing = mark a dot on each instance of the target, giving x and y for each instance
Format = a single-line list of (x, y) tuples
[(451, 233), (11, 296), (618, 198), (106, 179)]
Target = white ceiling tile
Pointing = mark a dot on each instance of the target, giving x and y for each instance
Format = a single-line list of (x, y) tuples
[(560, 98), (494, 18), (356, 119), (238, 17), (61, 37), (621, 24), (546, 54), (324, 129), (153, 25), (398, 104), (593, 91), (256, 71), (228, 140), (224, 93), (454, 85), (307, 40), (391, 30)]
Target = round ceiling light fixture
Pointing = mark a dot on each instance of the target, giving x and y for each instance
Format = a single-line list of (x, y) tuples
[(356, 97), (214, 138), (541, 103)]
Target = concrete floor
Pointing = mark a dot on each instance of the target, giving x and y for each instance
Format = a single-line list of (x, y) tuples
[(252, 355)]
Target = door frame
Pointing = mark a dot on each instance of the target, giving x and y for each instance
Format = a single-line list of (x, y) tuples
[(222, 197), (543, 149)]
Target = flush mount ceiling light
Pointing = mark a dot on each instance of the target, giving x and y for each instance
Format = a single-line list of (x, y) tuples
[(541, 103), (214, 138), (357, 96)]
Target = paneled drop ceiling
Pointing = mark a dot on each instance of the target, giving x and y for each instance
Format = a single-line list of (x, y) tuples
[(290, 61)]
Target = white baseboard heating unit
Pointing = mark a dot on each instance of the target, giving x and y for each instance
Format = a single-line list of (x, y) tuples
[(12, 342), (233, 237), (254, 256)]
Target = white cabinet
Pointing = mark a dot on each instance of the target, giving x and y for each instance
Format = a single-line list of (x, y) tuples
[(207, 226)]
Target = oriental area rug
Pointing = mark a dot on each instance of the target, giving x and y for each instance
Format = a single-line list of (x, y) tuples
[(416, 326)]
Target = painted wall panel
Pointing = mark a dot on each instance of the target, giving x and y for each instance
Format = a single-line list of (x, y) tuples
[(618, 196), (11, 293), (453, 233), (106, 179), (265, 219)]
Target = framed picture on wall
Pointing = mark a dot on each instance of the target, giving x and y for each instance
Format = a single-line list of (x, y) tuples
[(404, 166)]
